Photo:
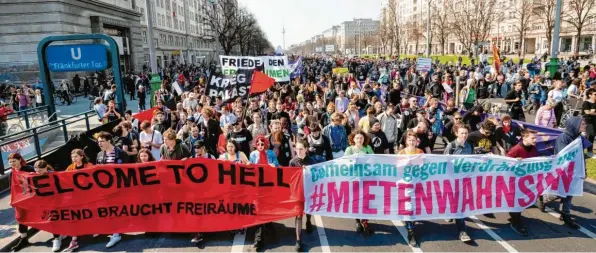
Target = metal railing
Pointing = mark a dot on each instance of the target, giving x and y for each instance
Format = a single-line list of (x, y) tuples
[(35, 132), (31, 117)]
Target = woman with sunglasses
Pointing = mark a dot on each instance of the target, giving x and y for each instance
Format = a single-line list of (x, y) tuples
[(262, 154)]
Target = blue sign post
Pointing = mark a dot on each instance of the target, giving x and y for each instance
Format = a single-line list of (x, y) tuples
[(79, 57), (84, 57)]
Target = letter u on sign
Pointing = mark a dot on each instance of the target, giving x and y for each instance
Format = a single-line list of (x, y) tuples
[(72, 53)]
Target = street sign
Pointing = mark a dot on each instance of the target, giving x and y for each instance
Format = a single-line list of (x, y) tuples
[(82, 57)]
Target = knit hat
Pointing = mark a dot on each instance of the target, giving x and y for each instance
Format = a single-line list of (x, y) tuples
[(372, 121)]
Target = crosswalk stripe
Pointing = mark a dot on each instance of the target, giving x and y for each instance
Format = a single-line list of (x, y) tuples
[(238, 244), (404, 233), (494, 235), (581, 228), (321, 232)]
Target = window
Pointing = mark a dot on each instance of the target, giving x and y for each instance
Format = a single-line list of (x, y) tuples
[(174, 7), (144, 37), (169, 22), (170, 40), (167, 5), (175, 24), (156, 41), (177, 40), (142, 14)]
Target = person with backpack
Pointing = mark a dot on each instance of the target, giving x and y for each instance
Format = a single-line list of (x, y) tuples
[(337, 135), (460, 146), (110, 154)]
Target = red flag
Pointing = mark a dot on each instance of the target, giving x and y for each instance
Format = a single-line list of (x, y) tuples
[(260, 82), (145, 115)]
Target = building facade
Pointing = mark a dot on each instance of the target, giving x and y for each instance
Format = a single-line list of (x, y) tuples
[(24, 23), (346, 37), (413, 18), (181, 33)]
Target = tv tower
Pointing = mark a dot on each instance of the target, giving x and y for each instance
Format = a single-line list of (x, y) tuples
[(283, 32)]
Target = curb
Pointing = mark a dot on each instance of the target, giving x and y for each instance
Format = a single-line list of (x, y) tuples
[(590, 186)]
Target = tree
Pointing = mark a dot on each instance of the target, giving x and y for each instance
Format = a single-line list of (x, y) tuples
[(522, 15), (545, 11), (229, 23), (368, 39), (384, 32), (394, 25), (415, 33), (578, 13), (472, 21), (441, 24)]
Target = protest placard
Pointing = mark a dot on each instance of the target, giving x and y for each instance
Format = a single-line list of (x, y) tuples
[(424, 64), (428, 187)]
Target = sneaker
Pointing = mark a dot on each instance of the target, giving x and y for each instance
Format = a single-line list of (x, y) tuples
[(95, 235), (519, 228), (540, 204), (56, 245), (490, 215), (569, 222), (412, 238), (198, 238), (113, 240), (464, 237), (308, 227), (258, 245), (22, 243), (298, 246), (72, 246), (367, 229)]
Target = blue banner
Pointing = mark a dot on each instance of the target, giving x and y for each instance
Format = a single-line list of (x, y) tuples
[(296, 68)]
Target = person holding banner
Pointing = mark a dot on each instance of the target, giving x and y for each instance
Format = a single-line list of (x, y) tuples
[(280, 143), (411, 149), (145, 156), (525, 149), (110, 154), (460, 147), (232, 154), (300, 160), (79, 160), (359, 144), (18, 163)]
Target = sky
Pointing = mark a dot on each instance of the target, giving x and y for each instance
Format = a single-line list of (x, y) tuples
[(304, 19)]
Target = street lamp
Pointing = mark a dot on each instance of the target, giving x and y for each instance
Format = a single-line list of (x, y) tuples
[(553, 66), (428, 32)]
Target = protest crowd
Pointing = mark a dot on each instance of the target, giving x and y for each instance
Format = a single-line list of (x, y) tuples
[(335, 107)]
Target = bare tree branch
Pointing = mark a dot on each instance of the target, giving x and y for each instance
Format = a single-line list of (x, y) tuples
[(577, 13)]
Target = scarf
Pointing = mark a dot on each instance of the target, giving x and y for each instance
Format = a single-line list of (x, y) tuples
[(506, 129), (314, 141), (263, 157)]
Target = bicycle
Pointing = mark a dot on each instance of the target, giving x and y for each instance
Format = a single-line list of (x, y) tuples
[(38, 120), (58, 97), (568, 112)]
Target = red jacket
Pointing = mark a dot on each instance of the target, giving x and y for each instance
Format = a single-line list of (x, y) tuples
[(519, 151), (4, 112)]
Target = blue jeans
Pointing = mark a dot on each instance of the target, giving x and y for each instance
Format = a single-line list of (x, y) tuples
[(409, 225), (566, 201), (22, 108), (460, 224)]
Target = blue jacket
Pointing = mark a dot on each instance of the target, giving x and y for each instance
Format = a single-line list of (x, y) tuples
[(271, 158)]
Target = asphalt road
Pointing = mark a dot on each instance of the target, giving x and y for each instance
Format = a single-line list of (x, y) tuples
[(546, 233)]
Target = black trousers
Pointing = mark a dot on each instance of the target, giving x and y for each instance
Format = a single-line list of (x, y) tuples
[(259, 233), (515, 217), (24, 229)]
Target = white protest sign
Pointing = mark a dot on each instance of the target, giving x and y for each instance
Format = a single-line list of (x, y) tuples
[(423, 64)]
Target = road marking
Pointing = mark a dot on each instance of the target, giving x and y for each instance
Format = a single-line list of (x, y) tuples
[(404, 233), (322, 235), (7, 229), (581, 229), (494, 235), (239, 240)]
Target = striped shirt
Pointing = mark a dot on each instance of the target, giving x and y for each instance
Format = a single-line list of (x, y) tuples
[(545, 117)]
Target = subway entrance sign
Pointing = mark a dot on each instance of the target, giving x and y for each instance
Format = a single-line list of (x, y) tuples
[(81, 57)]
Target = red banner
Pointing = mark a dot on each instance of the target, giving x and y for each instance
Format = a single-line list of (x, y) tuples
[(196, 195), (145, 115)]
